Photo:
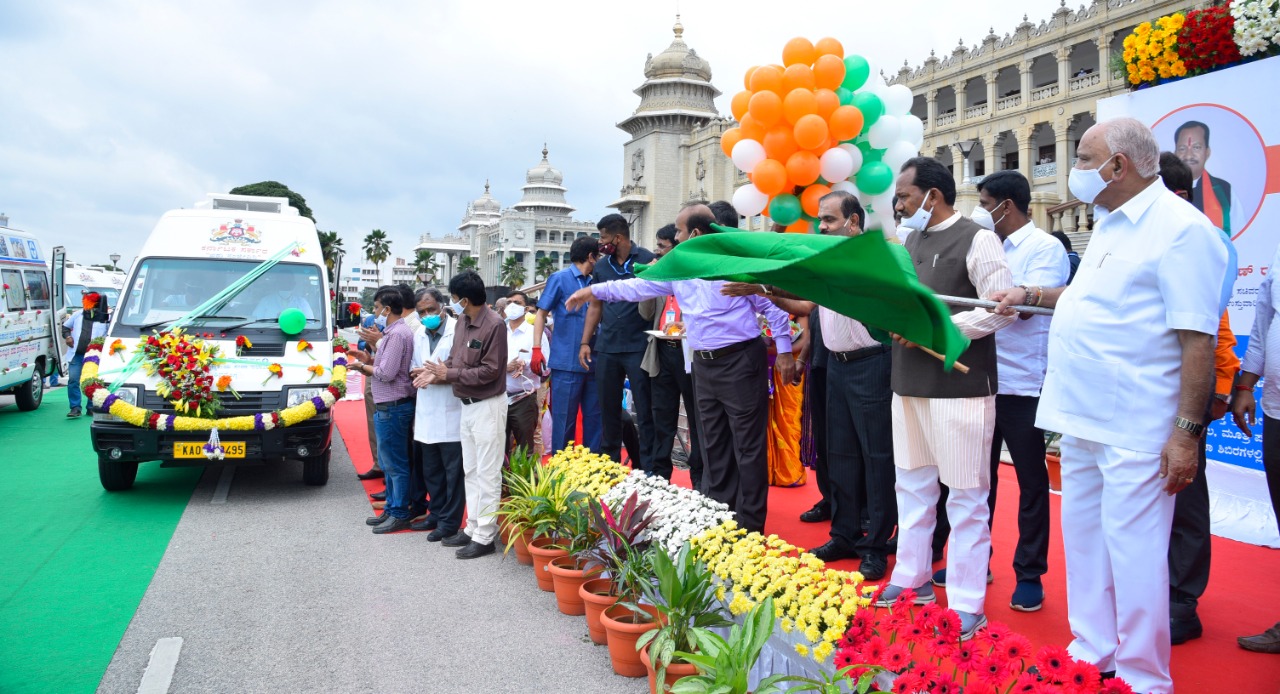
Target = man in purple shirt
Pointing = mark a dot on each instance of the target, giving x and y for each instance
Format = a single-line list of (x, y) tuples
[(394, 398), (730, 373)]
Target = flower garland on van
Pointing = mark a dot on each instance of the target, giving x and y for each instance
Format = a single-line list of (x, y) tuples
[(97, 392)]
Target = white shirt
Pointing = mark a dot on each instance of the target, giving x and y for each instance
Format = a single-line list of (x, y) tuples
[(520, 346), (438, 414), (989, 273), (1264, 342), (74, 323), (841, 333), (1154, 266), (1022, 349)]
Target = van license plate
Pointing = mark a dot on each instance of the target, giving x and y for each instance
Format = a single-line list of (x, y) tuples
[(195, 449)]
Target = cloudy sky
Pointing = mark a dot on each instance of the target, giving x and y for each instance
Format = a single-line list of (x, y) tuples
[(381, 114)]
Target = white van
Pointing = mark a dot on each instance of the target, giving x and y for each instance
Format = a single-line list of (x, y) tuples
[(190, 257), (83, 279), (29, 338)]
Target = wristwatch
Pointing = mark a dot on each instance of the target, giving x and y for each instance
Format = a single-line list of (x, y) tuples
[(1196, 429)]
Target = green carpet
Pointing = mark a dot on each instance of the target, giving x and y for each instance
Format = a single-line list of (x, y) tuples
[(76, 559)]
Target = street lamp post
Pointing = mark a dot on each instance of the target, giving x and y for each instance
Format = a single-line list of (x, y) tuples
[(966, 148), (115, 258)]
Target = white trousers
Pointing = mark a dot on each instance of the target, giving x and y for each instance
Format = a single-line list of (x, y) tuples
[(484, 433), (969, 548), (1115, 532)]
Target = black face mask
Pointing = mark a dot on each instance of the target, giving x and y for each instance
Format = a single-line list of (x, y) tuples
[(608, 248)]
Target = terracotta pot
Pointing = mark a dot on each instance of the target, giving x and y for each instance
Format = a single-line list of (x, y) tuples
[(504, 530), (566, 577), (674, 672), (624, 628), (595, 596), (543, 551), (520, 543), (1054, 463)]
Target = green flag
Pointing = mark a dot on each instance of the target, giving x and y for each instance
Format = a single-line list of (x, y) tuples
[(864, 277)]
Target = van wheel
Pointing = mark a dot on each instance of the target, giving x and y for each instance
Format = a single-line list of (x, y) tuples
[(29, 396), (315, 471), (116, 476)]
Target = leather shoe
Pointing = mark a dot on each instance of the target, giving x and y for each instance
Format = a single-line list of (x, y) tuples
[(376, 520), (379, 496), (424, 522), (391, 525), (460, 539), (1266, 642), (1184, 630), (820, 512), (834, 550), (474, 549), (439, 534), (873, 567), (372, 474)]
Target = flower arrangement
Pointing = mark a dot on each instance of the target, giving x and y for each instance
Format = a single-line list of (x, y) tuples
[(591, 473), (315, 371), (1151, 52), (183, 365), (305, 348), (275, 370), (678, 513), (242, 345), (1256, 30), (224, 386), (1207, 39), (117, 349), (353, 310)]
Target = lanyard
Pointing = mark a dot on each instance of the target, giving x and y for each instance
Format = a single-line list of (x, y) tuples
[(626, 270)]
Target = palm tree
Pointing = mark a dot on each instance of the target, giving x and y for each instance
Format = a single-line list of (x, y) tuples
[(425, 263), (543, 268), (468, 263), (376, 249), (331, 249), (513, 273)]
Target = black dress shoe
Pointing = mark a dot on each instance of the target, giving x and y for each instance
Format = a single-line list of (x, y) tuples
[(372, 474), (820, 512), (376, 520), (475, 549), (391, 525), (1184, 630), (428, 523), (439, 534), (834, 551), (460, 539), (873, 567), (379, 496)]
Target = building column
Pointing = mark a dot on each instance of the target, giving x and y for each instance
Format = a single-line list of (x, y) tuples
[(989, 145), (992, 95), (1104, 57), (1064, 68), (931, 100), (1026, 144), (1061, 136), (1025, 70), (962, 99), (957, 163)]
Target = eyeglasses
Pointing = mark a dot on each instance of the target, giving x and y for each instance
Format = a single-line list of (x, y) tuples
[(1197, 148)]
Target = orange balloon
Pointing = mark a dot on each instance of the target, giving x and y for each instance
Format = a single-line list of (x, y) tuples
[(798, 51), (845, 123), (779, 143), (803, 168), (799, 77), (797, 104), (800, 226), (746, 79), (770, 177), (826, 102), (809, 198), (731, 137), (811, 131), (829, 46), (828, 71), (751, 128), (738, 107), (765, 107), (766, 78)]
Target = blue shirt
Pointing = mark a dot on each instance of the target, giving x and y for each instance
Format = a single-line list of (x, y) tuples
[(567, 336), (366, 323), (621, 326)]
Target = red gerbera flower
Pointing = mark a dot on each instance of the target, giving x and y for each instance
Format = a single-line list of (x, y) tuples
[(907, 684), (965, 657), (873, 649), (926, 615), (844, 659), (1082, 678), (1016, 647), (1115, 685), (941, 647), (993, 669), (905, 599), (896, 657), (995, 634), (948, 625), (1053, 662), (1026, 684)]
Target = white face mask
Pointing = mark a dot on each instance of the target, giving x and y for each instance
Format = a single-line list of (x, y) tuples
[(380, 321), (1087, 184), (456, 308), (920, 220), (514, 311), (983, 218)]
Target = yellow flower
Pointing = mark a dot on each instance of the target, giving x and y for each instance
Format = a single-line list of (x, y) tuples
[(822, 651), (803, 650)]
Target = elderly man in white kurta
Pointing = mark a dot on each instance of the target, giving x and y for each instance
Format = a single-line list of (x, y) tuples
[(1130, 368), (943, 421)]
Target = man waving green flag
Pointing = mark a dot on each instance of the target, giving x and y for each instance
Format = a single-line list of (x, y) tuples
[(863, 277)]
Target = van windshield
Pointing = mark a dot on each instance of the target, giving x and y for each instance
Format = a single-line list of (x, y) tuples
[(75, 295), (166, 289)]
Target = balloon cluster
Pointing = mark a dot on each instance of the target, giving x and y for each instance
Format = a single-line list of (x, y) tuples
[(821, 121)]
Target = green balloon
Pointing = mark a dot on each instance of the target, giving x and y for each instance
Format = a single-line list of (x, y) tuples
[(846, 96), (785, 209), (869, 153), (871, 106), (292, 321), (856, 72), (874, 178)]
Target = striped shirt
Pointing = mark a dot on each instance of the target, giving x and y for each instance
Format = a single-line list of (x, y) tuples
[(841, 333), (391, 380)]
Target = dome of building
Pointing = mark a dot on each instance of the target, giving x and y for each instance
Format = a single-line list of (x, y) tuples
[(543, 189), (544, 173), (486, 203), (678, 60)]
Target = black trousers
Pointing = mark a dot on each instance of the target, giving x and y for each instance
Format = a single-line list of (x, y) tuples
[(816, 400), (1190, 542), (860, 455), (522, 419), (1271, 463), (611, 371), (668, 388), (1016, 426), (441, 465), (733, 412)]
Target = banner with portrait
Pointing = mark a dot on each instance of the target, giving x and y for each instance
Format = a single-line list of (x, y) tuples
[(1227, 131)]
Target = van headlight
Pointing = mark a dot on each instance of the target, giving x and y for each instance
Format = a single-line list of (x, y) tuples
[(127, 394), (297, 396)]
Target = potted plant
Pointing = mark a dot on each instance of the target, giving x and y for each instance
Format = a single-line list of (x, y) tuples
[(536, 501), (1053, 459), (626, 621), (619, 532), (684, 594), (724, 664), (577, 534), (519, 466)]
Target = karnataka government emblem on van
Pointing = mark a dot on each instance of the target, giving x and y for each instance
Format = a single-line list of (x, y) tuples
[(236, 232)]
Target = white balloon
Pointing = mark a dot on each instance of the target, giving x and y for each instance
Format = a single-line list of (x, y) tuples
[(855, 154), (897, 99), (746, 154), (748, 200), (882, 134), (883, 202), (846, 186), (898, 153), (911, 130), (836, 164)]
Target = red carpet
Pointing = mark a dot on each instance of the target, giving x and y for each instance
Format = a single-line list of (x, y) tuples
[(1241, 598)]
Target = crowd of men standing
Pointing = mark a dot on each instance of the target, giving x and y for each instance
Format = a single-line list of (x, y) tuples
[(908, 452)]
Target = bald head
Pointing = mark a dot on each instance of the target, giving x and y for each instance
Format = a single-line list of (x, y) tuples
[(694, 220)]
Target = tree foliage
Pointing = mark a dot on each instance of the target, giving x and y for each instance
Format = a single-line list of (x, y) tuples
[(543, 268), (468, 263), (513, 273), (331, 249), (275, 189), (425, 263), (377, 247)]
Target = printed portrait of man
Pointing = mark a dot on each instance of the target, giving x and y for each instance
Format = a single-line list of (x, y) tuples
[(1211, 195)]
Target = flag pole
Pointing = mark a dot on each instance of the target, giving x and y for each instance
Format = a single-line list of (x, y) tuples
[(982, 303)]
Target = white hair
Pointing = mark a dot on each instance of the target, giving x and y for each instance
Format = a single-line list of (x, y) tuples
[(1130, 137)]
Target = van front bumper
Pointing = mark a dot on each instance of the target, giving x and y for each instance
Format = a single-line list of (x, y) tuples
[(307, 439)]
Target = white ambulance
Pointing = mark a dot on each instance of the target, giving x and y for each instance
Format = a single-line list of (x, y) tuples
[(29, 338), (191, 257)]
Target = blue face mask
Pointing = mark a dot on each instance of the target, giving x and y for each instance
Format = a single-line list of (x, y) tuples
[(431, 322), (381, 322)]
